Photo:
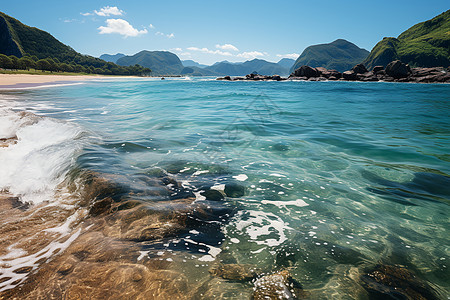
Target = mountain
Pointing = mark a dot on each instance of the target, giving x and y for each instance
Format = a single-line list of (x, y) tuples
[(286, 62), (41, 50), (240, 69), (111, 58), (426, 44), (18, 39), (191, 63), (340, 55), (160, 62)]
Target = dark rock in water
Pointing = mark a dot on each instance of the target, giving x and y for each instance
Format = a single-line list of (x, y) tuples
[(377, 69), (279, 285), (424, 186), (234, 190), (397, 69), (395, 282), (235, 272), (305, 71), (276, 77), (360, 69), (224, 78), (349, 75), (212, 195)]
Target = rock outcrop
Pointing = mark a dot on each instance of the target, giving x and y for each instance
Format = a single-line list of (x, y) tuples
[(396, 71)]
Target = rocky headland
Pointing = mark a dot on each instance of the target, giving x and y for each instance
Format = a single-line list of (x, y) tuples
[(395, 71)]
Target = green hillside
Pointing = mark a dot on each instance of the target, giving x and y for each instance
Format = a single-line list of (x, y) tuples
[(39, 49), (160, 62), (426, 44), (340, 55)]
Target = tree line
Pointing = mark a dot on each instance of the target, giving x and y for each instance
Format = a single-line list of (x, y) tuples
[(77, 64)]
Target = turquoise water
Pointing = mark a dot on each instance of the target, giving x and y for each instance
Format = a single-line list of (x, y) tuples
[(337, 175)]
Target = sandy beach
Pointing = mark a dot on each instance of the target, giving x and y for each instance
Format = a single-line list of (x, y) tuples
[(28, 80)]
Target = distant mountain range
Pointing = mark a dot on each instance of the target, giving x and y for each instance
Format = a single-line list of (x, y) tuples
[(160, 62), (112, 58), (340, 55), (240, 69), (426, 44), (167, 63), (191, 63), (286, 62)]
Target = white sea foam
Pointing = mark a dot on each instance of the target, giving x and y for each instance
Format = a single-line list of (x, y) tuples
[(241, 177), (261, 227), (8, 265), (45, 148)]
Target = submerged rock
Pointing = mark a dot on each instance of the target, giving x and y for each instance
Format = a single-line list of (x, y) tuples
[(235, 272), (279, 285), (395, 282), (234, 190)]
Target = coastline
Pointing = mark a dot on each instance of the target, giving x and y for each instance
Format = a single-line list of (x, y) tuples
[(12, 81)]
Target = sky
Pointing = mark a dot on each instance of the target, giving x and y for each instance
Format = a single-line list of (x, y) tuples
[(212, 31)]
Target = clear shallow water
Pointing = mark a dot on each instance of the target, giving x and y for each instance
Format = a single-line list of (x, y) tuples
[(337, 175)]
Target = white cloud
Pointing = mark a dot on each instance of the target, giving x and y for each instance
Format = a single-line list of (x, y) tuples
[(109, 11), (121, 27), (291, 55), (251, 54), (177, 49), (151, 26), (170, 36), (206, 50), (86, 14), (227, 47)]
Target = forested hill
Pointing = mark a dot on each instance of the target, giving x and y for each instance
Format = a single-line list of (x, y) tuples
[(23, 46)]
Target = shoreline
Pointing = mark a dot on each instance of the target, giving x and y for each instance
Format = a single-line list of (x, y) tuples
[(21, 81)]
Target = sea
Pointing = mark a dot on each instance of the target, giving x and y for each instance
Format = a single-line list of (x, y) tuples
[(147, 188)]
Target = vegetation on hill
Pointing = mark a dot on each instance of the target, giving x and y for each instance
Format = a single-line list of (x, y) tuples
[(161, 62), (340, 55), (24, 47), (426, 44)]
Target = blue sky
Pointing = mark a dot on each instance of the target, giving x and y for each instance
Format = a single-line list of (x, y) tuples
[(210, 31)]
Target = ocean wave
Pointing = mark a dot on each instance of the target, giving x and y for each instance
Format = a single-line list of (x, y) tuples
[(36, 154)]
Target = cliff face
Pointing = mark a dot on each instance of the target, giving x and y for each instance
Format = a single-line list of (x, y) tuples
[(7, 44)]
